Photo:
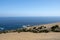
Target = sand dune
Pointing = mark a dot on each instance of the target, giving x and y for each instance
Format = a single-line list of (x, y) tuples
[(32, 36)]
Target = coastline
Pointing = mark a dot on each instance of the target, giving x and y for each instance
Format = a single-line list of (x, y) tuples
[(32, 36)]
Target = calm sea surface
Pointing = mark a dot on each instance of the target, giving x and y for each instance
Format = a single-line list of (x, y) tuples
[(17, 22)]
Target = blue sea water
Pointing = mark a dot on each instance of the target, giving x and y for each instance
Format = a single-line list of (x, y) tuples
[(9, 23)]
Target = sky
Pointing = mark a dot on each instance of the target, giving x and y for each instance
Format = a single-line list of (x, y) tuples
[(29, 8)]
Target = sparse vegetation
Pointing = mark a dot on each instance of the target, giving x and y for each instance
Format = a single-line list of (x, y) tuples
[(34, 31), (29, 30), (40, 29), (18, 31), (53, 28), (24, 30), (34, 27), (45, 31)]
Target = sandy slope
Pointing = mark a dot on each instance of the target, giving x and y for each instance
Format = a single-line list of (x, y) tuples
[(32, 36), (50, 25)]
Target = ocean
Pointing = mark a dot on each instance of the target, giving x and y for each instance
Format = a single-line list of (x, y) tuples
[(8, 23)]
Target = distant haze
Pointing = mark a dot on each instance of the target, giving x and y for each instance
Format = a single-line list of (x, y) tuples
[(18, 8)]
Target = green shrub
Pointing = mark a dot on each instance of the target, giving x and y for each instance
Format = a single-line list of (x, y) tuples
[(39, 27), (24, 30), (34, 31), (19, 30), (29, 30), (45, 31), (54, 27), (34, 27)]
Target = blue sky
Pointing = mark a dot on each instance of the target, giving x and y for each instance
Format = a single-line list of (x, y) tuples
[(18, 8)]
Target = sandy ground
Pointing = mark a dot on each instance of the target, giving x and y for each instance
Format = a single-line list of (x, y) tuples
[(30, 36)]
